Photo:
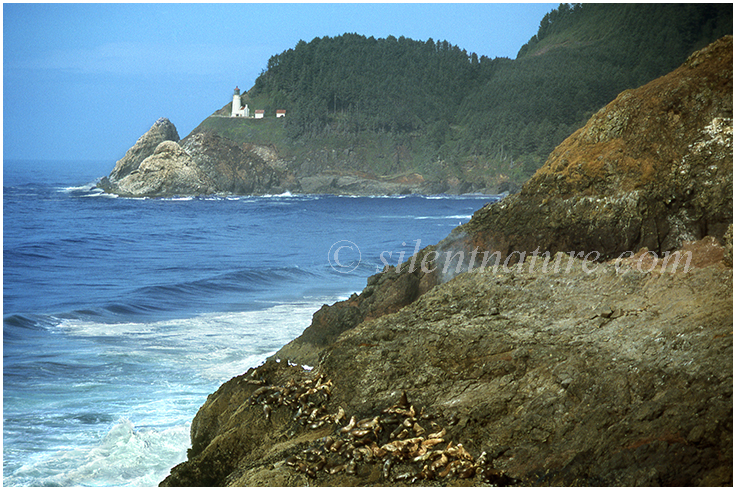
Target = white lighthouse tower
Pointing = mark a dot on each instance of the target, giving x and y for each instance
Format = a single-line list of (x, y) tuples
[(238, 110)]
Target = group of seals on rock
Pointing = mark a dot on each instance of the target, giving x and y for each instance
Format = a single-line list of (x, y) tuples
[(307, 398), (406, 443)]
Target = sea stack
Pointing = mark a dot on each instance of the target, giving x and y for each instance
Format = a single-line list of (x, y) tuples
[(162, 130), (161, 165), (135, 175)]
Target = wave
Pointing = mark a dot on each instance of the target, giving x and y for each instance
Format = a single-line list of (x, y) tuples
[(76, 189), (244, 280), (178, 198), (206, 343), (91, 190), (87, 190), (19, 322), (488, 197), (445, 217), (118, 397), (126, 456), (240, 290), (285, 197), (285, 194)]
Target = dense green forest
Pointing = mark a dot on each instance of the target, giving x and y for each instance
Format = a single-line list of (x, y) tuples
[(472, 112)]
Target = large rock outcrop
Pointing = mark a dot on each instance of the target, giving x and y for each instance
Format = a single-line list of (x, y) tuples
[(160, 165), (162, 130), (169, 170), (560, 372), (232, 168), (614, 377), (651, 169), (208, 163)]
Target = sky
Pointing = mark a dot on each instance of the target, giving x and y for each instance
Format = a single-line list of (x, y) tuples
[(82, 82)]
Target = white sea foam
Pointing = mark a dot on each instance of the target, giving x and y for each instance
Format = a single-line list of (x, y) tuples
[(437, 217), (464, 196), (84, 187), (378, 196), (125, 456), (188, 359), (446, 217), (219, 345)]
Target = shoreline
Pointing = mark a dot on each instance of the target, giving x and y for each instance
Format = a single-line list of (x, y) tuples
[(619, 375), (473, 363)]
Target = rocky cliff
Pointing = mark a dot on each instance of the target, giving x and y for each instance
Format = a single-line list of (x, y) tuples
[(206, 162), (610, 378), (655, 181), (596, 367), (651, 169)]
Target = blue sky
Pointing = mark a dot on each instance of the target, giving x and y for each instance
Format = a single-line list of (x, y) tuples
[(84, 81)]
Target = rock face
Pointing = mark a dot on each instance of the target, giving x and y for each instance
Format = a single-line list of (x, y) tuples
[(161, 165), (615, 377), (550, 370), (232, 168), (162, 130), (385, 293), (654, 182), (168, 171), (207, 163), (651, 169)]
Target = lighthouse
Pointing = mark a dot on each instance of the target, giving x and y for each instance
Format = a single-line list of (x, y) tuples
[(238, 110)]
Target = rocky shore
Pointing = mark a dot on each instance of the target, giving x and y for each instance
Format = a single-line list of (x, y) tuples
[(611, 378), (161, 165), (204, 163), (606, 362)]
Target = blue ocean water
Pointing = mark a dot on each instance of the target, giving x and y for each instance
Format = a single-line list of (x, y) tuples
[(121, 315)]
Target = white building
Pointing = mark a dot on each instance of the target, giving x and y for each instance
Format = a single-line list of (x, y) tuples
[(259, 114), (238, 110)]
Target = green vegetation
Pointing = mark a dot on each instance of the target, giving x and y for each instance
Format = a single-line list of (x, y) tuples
[(431, 107), (259, 131)]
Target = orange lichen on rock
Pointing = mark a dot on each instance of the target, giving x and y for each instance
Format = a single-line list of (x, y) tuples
[(651, 169), (636, 138)]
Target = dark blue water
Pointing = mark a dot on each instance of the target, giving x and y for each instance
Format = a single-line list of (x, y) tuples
[(122, 315)]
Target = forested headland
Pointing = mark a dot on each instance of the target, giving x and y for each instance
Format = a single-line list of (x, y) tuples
[(433, 108)]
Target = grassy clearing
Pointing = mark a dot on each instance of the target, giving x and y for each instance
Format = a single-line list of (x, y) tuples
[(265, 131)]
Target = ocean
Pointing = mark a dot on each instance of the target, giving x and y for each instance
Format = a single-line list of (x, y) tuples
[(121, 315)]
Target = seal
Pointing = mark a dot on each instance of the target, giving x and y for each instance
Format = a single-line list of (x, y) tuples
[(368, 441), (349, 426), (403, 402)]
